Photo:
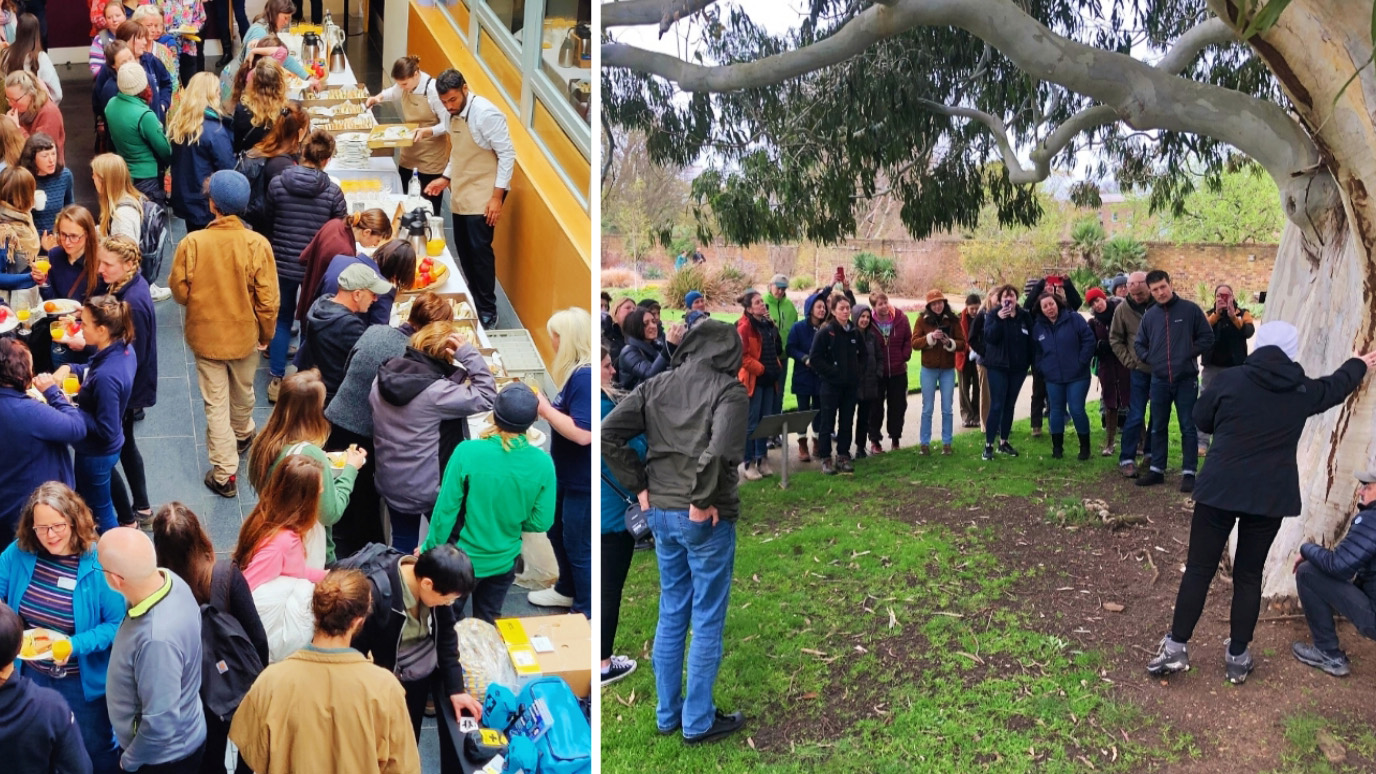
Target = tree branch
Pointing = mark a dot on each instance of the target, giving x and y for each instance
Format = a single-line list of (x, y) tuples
[(635, 13)]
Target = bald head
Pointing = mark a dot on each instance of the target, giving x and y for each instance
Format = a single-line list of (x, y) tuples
[(128, 553), (1137, 287)]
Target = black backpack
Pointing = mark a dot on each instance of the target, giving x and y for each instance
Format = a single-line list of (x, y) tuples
[(152, 233), (373, 561), (251, 167), (229, 662)]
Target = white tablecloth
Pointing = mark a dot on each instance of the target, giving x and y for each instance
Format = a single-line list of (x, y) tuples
[(383, 168)]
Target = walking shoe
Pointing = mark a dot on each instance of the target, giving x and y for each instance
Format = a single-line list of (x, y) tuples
[(747, 471), (803, 456), (827, 468), (1171, 657), (860, 451), (1006, 448), (893, 445), (1128, 469), (1108, 451), (1334, 663), (843, 464), (139, 416), (763, 468), (549, 598), (1150, 478), (274, 388), (924, 450), (1236, 668), (724, 725), (158, 294), (243, 444), (946, 450), (144, 520), (1187, 483), (620, 667), (988, 452), (876, 448), (1036, 432), (227, 489)]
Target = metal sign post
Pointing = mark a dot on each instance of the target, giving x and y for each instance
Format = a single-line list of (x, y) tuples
[(783, 424)]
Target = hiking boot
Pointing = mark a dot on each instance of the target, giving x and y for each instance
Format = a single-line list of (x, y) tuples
[(1237, 667), (814, 449), (227, 489), (274, 388), (843, 464), (1150, 478), (1187, 483), (1128, 469), (549, 598), (763, 468), (946, 450), (860, 451), (748, 472), (893, 445), (1171, 657), (723, 725), (245, 443), (803, 456), (1084, 447), (1007, 448), (924, 450), (1057, 445), (988, 452), (827, 468), (875, 448), (620, 667), (1334, 663)]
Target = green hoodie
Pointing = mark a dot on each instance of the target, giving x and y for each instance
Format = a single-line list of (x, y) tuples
[(137, 136)]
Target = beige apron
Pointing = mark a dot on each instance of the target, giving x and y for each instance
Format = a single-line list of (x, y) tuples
[(474, 171), (429, 155)]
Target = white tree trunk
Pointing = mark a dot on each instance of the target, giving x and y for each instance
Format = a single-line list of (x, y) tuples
[(1326, 292)]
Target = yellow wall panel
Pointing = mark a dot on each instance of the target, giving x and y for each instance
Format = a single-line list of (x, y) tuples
[(508, 75), (562, 148)]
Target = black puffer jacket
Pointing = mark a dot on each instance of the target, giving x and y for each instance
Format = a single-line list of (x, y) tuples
[(838, 357), (301, 201), (640, 360)]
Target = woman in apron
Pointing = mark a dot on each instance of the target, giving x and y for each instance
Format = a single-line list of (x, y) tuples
[(420, 104)]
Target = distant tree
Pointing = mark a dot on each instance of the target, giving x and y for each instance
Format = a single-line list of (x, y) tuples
[(1087, 237), (1240, 207)]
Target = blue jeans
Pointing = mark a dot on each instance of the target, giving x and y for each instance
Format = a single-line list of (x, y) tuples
[(932, 378), (1074, 394), (761, 403), (93, 484), (405, 530), (1183, 394), (1004, 386), (696, 561), (576, 540), (92, 718), (1137, 414), (281, 339)]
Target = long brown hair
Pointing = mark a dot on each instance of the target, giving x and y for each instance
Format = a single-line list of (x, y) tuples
[(23, 51), (184, 548), (373, 219), (272, 10), (265, 96), (81, 218), (291, 501), (110, 313), (284, 138), (246, 67), (298, 416)]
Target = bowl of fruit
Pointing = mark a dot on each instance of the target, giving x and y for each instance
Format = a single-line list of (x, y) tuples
[(430, 274)]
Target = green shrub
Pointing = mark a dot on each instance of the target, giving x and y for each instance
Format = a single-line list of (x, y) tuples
[(653, 272), (871, 270), (802, 282), (1123, 255), (1084, 279)]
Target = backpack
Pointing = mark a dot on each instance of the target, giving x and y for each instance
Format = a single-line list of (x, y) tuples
[(229, 662), (251, 167), (152, 235), (548, 714)]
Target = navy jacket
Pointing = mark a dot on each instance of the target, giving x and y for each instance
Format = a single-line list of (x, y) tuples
[(639, 361), (800, 337), (106, 383), (105, 89), (1007, 342), (380, 313), (1171, 337), (838, 356), (161, 81), (1064, 348), (330, 333), (35, 448), (65, 279), (300, 201), (145, 346), (37, 730), (193, 164), (1354, 557)]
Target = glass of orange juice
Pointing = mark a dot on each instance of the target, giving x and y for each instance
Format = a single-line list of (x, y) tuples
[(42, 265), (22, 314), (61, 650), (58, 330), (71, 385)]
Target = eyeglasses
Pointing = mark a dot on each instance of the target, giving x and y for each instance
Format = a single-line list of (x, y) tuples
[(50, 529), (66, 237)]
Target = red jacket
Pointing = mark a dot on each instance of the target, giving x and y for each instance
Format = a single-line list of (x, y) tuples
[(898, 345), (751, 367), (334, 238), (963, 351)]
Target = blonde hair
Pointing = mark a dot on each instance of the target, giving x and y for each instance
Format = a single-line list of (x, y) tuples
[(186, 122), (506, 435), (573, 327), (150, 11), (29, 83), (266, 95), (11, 141), (114, 177), (433, 338), (127, 250)]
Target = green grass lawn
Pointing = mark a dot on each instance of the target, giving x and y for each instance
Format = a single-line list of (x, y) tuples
[(863, 638)]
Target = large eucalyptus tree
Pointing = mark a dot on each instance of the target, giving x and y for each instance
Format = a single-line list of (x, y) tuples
[(920, 98)]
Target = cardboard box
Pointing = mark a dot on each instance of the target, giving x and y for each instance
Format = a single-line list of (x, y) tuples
[(550, 645)]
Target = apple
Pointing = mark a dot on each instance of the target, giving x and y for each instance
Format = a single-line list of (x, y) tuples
[(73, 328), (4, 313)]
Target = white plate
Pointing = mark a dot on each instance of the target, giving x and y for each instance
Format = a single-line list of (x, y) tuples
[(47, 654), (10, 322), (64, 306)]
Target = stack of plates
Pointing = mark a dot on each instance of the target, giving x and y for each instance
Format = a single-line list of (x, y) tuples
[(351, 150)]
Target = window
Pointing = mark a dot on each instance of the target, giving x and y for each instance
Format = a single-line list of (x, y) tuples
[(566, 51)]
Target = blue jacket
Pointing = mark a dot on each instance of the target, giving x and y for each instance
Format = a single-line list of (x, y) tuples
[(106, 383), (35, 448), (38, 731), (65, 279), (96, 611), (1064, 348), (380, 313), (613, 495), (639, 361), (1355, 556), (1171, 337), (799, 346), (161, 82), (301, 200), (1008, 342), (105, 89), (193, 164), (145, 346)]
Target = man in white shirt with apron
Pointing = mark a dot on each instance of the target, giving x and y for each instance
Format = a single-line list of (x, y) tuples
[(481, 162), (414, 90)]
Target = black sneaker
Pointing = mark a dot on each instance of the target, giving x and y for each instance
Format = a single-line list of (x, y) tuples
[(1334, 664), (1236, 668), (227, 489), (1187, 483), (988, 452), (620, 667), (1150, 478), (139, 416), (1007, 448), (724, 725), (243, 444)]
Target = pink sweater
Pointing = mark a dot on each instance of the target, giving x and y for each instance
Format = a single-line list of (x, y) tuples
[(282, 554)]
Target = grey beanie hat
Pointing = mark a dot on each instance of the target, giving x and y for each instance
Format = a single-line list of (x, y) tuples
[(516, 408)]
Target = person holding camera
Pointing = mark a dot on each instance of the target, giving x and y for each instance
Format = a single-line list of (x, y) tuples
[(938, 335), (1233, 326), (1007, 336)]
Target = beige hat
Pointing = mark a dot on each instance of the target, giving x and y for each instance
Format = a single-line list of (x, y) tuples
[(780, 281), (360, 277), (132, 79)]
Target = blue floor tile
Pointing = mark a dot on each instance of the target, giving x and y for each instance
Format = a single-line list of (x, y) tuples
[(172, 416), (174, 468), (171, 352)]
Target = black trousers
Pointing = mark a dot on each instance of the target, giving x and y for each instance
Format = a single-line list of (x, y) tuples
[(808, 403), (436, 201), (969, 392), (617, 550), (561, 555), (893, 393), (838, 411), (132, 461), (316, 14), (473, 240), (488, 596), (864, 409), (417, 692), (1209, 532), (1039, 404), (216, 736), (361, 522), (191, 764), (221, 13)]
